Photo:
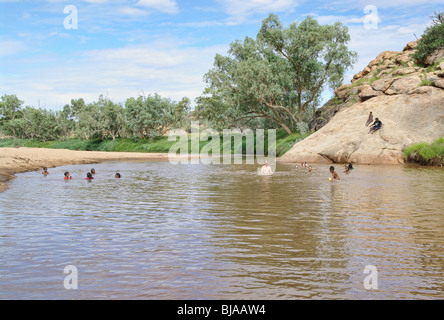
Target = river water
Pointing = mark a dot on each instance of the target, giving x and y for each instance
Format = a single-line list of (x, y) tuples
[(168, 231)]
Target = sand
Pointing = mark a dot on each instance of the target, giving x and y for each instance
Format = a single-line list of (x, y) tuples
[(17, 160)]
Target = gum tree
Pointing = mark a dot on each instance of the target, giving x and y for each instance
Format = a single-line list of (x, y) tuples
[(279, 75), (153, 115), (10, 113)]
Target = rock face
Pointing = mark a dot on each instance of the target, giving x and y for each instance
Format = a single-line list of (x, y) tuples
[(408, 99)]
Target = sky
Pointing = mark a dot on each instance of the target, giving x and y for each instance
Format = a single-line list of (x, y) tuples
[(52, 51)]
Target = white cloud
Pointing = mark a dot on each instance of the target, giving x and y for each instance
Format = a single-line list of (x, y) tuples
[(96, 1), (382, 4), (331, 19), (133, 11), (9, 47), (240, 10), (165, 6), (121, 73)]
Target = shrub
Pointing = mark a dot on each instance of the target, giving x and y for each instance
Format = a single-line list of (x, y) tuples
[(426, 154), (432, 40)]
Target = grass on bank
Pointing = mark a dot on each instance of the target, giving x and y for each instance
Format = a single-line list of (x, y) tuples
[(284, 143), (428, 154)]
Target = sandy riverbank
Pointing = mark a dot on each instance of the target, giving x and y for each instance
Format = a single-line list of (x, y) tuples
[(17, 160)]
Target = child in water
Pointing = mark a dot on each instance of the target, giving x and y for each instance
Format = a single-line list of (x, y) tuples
[(89, 176), (334, 174), (93, 171), (45, 172), (117, 176), (67, 176)]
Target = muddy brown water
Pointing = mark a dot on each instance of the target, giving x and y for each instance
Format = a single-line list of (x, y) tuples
[(168, 231)]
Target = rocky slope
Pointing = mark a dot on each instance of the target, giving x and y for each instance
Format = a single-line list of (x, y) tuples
[(407, 98)]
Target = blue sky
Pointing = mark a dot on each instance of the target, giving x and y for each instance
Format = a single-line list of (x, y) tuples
[(125, 48)]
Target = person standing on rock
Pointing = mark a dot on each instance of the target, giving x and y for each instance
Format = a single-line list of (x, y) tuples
[(370, 119)]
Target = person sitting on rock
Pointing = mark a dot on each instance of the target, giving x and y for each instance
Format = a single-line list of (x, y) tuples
[(376, 126), (370, 119)]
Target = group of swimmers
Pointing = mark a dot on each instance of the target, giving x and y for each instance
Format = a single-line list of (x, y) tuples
[(334, 175), (266, 169), (89, 175), (305, 165)]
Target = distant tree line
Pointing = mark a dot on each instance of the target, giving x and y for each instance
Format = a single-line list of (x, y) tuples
[(142, 117)]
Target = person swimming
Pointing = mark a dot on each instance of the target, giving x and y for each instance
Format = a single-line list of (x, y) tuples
[(93, 171), (266, 169), (89, 176), (310, 169), (117, 176), (67, 176), (45, 171), (334, 174)]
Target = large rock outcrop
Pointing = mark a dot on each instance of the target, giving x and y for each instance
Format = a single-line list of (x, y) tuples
[(408, 99)]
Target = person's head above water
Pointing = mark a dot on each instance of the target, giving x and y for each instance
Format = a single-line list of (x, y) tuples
[(93, 171), (332, 169), (117, 176), (89, 176)]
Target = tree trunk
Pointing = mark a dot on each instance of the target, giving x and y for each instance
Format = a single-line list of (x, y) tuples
[(287, 129)]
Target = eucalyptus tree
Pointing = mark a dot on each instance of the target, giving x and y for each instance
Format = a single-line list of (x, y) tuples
[(280, 74), (153, 115), (10, 111), (111, 118), (88, 122)]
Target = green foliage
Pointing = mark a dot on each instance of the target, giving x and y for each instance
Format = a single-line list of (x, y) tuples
[(284, 143), (10, 111), (153, 116), (373, 79), (426, 154), (359, 82), (97, 121), (431, 40), (425, 82), (335, 101), (277, 76)]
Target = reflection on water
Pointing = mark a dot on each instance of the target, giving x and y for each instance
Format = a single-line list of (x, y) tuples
[(223, 232)]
